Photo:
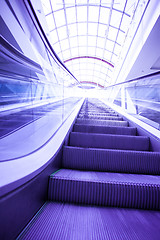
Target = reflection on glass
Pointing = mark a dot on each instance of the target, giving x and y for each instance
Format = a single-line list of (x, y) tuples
[(35, 88), (141, 98)]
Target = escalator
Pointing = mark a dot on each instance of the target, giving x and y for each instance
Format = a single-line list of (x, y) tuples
[(108, 186)]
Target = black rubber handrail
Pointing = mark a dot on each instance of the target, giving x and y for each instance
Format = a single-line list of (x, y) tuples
[(135, 79), (7, 46)]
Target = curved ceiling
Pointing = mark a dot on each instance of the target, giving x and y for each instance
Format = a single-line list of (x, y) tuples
[(88, 35)]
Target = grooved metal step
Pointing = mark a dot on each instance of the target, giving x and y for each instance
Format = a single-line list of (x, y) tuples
[(96, 114), (111, 160), (63, 221), (109, 141), (105, 129), (101, 117), (105, 189), (102, 122)]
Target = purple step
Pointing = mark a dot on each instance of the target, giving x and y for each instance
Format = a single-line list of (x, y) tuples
[(59, 221), (102, 122), (96, 111), (105, 130), (97, 114), (103, 113), (105, 189), (101, 117), (107, 141), (111, 160)]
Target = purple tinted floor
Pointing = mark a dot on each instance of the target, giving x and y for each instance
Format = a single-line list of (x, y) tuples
[(59, 221)]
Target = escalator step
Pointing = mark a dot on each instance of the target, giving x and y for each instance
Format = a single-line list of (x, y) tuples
[(111, 160), (104, 129), (97, 110), (108, 141), (105, 189), (101, 117), (102, 122), (97, 114), (59, 221)]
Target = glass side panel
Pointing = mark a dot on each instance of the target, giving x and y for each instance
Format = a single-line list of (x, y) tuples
[(35, 89), (140, 98)]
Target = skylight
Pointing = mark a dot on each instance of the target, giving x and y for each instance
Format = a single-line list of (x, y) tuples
[(89, 35)]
